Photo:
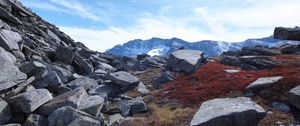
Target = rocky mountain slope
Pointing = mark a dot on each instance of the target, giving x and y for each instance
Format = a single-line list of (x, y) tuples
[(164, 47), (48, 79)]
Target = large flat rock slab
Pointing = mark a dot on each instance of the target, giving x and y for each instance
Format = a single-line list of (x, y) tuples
[(263, 82), (228, 112)]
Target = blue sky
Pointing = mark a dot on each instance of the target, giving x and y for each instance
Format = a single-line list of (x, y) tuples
[(101, 24)]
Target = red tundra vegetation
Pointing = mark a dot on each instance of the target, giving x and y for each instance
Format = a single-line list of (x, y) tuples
[(211, 81)]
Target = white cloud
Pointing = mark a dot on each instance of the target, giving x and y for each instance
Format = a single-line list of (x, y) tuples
[(78, 8), (147, 28), (71, 7), (259, 13)]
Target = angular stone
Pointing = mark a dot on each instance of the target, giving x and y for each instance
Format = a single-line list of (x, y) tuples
[(7, 57), (287, 33), (106, 90), (92, 105), (31, 100), (164, 78), (36, 120), (68, 116), (7, 16), (51, 79), (143, 89), (33, 68), (9, 74), (124, 79), (105, 67), (294, 97), (187, 61), (64, 54), (53, 36), (260, 51), (14, 124), (85, 82), (228, 112), (71, 98), (132, 106), (9, 40), (263, 82), (83, 65), (5, 112)]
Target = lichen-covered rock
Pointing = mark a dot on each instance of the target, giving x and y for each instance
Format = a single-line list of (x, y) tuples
[(228, 112)]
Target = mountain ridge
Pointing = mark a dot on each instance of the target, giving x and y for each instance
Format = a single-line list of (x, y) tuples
[(209, 47)]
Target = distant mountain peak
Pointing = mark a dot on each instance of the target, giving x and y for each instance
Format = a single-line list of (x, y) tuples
[(163, 47)]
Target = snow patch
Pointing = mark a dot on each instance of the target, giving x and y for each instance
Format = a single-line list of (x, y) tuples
[(156, 52)]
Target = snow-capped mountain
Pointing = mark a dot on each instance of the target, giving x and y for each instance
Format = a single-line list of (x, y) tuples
[(163, 47)]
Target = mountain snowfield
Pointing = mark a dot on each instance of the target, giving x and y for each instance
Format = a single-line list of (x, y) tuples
[(163, 47)]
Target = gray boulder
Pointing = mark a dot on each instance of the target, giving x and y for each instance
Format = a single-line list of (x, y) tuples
[(294, 97), (287, 33), (5, 112), (187, 61), (36, 120), (164, 78), (68, 116), (259, 51), (105, 67), (64, 54), (7, 57), (46, 74), (10, 75), (257, 62), (85, 82), (9, 40), (290, 49), (124, 79), (228, 112), (136, 105), (92, 105), (31, 100), (33, 68), (7, 16), (105, 90), (84, 66), (263, 82), (70, 98)]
